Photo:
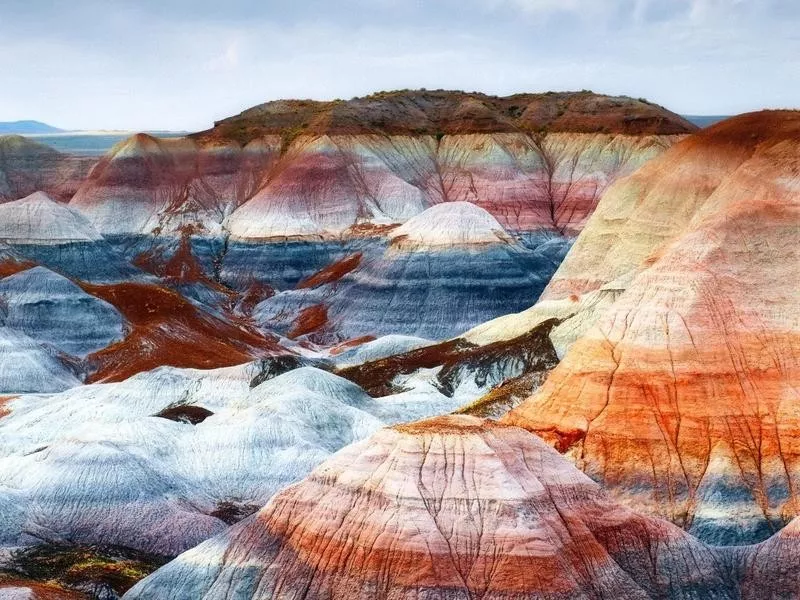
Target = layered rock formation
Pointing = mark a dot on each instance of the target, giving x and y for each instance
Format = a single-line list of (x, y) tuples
[(681, 398), (55, 235), (443, 271), (27, 166), (454, 507), (55, 311), (147, 185), (28, 366), (270, 198)]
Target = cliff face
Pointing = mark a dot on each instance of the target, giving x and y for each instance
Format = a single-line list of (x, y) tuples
[(681, 398), (150, 185), (453, 507)]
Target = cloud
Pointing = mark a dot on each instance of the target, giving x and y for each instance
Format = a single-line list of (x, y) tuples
[(181, 64)]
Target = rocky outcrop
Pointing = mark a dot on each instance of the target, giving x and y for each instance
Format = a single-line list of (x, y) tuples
[(680, 399), (453, 507), (27, 166)]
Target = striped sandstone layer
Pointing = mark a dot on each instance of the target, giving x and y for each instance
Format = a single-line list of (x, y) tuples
[(682, 398), (448, 508)]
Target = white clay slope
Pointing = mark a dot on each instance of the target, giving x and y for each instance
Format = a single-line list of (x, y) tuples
[(26, 366), (451, 224), (38, 219), (95, 465)]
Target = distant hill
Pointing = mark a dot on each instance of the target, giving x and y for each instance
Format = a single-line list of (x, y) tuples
[(27, 127), (703, 121)]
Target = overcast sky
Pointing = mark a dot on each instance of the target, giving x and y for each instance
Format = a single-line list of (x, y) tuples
[(180, 64)]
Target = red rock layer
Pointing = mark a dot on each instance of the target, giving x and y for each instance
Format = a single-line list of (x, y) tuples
[(151, 185), (333, 272), (683, 398), (167, 330), (453, 507)]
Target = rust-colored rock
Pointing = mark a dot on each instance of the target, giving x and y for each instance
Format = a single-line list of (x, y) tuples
[(168, 330), (450, 508), (682, 399)]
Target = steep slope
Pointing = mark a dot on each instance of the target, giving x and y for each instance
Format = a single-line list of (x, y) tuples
[(317, 168), (146, 184), (27, 166), (682, 398), (453, 507), (325, 184)]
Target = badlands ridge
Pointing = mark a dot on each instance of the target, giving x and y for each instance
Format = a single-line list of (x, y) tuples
[(413, 345)]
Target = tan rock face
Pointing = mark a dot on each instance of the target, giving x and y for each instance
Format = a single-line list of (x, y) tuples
[(453, 507), (682, 399)]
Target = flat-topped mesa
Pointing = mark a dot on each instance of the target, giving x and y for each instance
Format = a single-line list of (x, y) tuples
[(440, 112), (304, 169), (681, 397), (453, 507), (450, 225)]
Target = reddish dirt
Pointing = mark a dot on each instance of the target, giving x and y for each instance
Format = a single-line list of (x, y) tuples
[(168, 330), (11, 266), (3, 409), (310, 319), (180, 268), (255, 293), (352, 343), (333, 272)]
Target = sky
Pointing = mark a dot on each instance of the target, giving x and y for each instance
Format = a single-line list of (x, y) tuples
[(181, 64)]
